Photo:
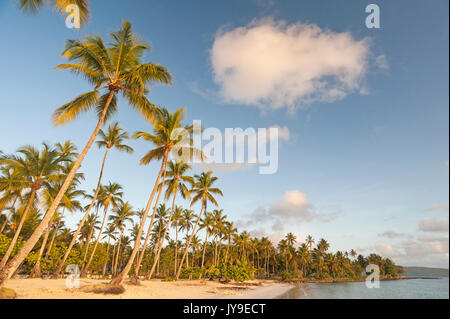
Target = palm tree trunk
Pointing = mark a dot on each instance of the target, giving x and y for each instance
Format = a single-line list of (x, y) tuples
[(6, 221), (113, 257), (83, 220), (7, 271), (165, 232), (55, 232), (88, 241), (176, 249), (228, 248), (121, 277), (106, 262), (36, 272), (84, 272), (16, 235), (118, 253), (204, 248), (189, 241)]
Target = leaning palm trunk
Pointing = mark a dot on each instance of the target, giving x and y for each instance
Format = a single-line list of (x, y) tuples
[(116, 262), (88, 241), (16, 235), (6, 221), (121, 277), (55, 232), (204, 248), (164, 235), (74, 239), (189, 241), (85, 270), (36, 272), (147, 237), (12, 266), (176, 249), (9, 215), (106, 262)]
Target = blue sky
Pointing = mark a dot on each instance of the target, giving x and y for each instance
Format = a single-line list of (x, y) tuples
[(373, 162)]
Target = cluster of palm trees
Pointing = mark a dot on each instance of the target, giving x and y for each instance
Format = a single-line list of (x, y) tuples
[(39, 186)]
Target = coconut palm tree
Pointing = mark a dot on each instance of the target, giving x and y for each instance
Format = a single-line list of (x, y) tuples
[(111, 196), (207, 223), (219, 222), (187, 222), (116, 68), (115, 138), (61, 6), (309, 242), (121, 216), (11, 184), (176, 183), (230, 231), (204, 191), (172, 137), (68, 201), (109, 233), (37, 170), (176, 220)]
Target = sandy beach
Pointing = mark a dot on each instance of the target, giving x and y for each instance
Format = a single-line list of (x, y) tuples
[(154, 289)]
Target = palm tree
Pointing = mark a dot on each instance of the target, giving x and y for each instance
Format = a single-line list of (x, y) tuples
[(291, 239), (175, 184), (167, 140), (59, 5), (114, 137), (219, 223), (117, 68), (204, 190), (11, 184), (110, 233), (176, 220), (187, 222), (309, 241), (230, 231), (68, 201), (112, 195), (123, 214), (207, 223), (37, 169)]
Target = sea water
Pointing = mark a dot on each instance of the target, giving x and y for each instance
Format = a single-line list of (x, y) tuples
[(389, 289)]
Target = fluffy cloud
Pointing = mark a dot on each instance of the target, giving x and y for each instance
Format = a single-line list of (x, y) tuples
[(294, 207), (274, 65), (433, 225), (386, 250)]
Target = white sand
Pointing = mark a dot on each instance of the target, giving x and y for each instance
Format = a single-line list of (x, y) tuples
[(154, 289)]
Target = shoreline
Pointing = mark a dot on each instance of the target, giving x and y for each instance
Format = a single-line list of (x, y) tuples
[(342, 280), (154, 289)]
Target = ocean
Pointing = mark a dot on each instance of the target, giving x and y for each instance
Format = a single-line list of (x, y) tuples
[(389, 289)]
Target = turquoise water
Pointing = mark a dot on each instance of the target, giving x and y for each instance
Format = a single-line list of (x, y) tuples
[(393, 289)]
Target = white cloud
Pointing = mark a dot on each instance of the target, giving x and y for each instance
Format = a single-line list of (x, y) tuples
[(386, 250), (433, 225), (274, 65), (294, 207)]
